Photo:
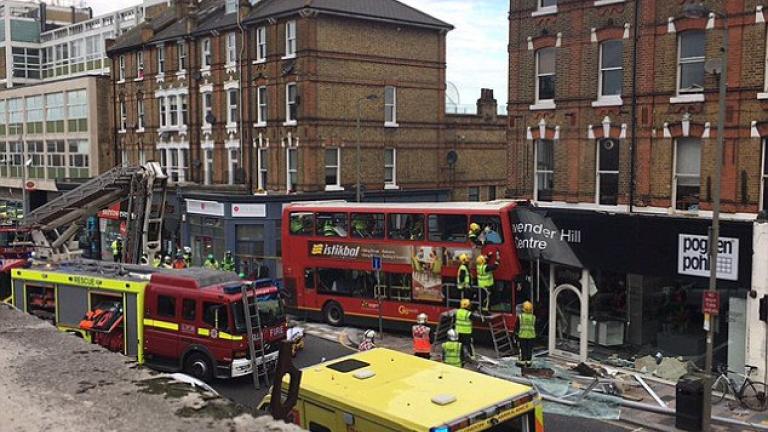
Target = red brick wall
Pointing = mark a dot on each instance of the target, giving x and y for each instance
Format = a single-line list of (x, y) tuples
[(577, 86)]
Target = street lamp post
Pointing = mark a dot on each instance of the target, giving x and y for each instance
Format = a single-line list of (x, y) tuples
[(370, 97), (700, 11)]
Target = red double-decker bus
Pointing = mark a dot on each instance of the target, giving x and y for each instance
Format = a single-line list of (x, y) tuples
[(329, 248)]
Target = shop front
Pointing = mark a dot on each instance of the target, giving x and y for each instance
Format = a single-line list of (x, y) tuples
[(641, 278), (249, 225)]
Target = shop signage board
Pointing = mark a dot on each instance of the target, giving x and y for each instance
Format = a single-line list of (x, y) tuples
[(249, 210), (693, 256), (711, 303), (210, 208), (538, 238)]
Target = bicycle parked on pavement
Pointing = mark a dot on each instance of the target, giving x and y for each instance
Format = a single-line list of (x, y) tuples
[(750, 393)]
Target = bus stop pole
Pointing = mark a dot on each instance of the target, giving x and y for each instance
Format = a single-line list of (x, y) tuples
[(378, 295)]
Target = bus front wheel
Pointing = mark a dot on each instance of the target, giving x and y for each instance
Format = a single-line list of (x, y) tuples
[(333, 314)]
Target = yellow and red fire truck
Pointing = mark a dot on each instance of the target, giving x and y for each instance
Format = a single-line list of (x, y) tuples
[(191, 320)]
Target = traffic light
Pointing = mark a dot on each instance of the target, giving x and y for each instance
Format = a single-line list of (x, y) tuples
[(763, 311)]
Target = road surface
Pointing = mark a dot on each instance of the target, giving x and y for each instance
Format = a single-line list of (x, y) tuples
[(318, 349)]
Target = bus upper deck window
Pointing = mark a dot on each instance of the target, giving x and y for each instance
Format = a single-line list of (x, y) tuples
[(448, 228), (332, 225), (368, 225), (302, 223), (490, 228), (403, 226)]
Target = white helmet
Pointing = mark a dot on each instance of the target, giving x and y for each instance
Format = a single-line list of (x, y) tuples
[(452, 335), (421, 318), (369, 334)]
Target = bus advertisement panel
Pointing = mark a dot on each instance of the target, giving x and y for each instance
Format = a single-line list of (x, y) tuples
[(328, 249)]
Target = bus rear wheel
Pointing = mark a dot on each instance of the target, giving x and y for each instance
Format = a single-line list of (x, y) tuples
[(333, 314), (199, 366)]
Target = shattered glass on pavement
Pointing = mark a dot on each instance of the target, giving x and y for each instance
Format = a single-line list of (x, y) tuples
[(593, 405)]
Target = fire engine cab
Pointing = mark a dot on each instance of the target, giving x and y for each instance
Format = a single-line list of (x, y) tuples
[(193, 320)]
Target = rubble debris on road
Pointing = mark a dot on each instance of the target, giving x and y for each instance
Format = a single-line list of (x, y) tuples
[(669, 368), (54, 381)]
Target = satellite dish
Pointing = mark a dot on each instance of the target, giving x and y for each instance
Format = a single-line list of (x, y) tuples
[(713, 66), (209, 118), (452, 157)]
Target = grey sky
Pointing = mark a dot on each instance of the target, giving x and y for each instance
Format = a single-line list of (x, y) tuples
[(477, 54)]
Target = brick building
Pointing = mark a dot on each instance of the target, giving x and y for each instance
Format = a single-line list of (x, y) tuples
[(613, 109), (275, 105)]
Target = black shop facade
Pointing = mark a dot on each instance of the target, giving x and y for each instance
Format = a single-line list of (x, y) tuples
[(642, 277)]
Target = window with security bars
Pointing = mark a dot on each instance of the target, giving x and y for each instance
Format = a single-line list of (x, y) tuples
[(545, 170), (687, 178), (607, 171)]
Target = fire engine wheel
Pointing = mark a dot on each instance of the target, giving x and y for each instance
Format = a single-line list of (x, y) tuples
[(333, 314), (199, 366)]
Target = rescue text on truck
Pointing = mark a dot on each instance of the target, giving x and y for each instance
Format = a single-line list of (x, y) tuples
[(190, 320)]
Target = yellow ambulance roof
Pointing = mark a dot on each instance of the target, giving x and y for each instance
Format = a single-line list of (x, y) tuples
[(402, 388)]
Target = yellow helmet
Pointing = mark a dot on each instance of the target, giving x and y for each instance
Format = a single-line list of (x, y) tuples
[(464, 258), (527, 307), (474, 227), (465, 303), (480, 259)]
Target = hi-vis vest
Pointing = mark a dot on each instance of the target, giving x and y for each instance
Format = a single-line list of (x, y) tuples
[(484, 277), (452, 353), (463, 321), (115, 247), (527, 326), (421, 339), (463, 282)]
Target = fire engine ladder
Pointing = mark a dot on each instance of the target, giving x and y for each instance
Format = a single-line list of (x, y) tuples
[(54, 224), (146, 202), (251, 306), (502, 341), (446, 323)]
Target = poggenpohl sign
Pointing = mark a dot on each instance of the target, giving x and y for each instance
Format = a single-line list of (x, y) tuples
[(693, 256)]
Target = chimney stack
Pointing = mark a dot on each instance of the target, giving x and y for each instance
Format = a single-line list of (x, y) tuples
[(486, 105)]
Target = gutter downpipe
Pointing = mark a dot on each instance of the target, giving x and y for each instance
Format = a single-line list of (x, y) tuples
[(633, 141)]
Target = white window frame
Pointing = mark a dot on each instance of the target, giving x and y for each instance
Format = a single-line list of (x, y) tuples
[(206, 107), (182, 56), (544, 10), (232, 121), (288, 120), (288, 171), (139, 65), (607, 100), (163, 112), (231, 42), (391, 184), (261, 44), (536, 169), (121, 69), (160, 60), (599, 172), (262, 179), (676, 175), (183, 110), (290, 39), (335, 186), (206, 54), (688, 60), (232, 162), (763, 175), (140, 120), (538, 102), (123, 117), (390, 105), (262, 109), (208, 159), (173, 110)]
